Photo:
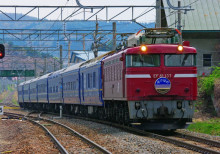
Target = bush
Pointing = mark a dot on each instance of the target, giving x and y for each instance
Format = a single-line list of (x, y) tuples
[(208, 82)]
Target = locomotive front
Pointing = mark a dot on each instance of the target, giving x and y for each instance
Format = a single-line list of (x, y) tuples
[(161, 85)]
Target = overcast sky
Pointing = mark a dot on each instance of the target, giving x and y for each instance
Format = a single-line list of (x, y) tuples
[(72, 2), (149, 17)]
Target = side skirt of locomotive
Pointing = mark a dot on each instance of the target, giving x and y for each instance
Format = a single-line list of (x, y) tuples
[(114, 111)]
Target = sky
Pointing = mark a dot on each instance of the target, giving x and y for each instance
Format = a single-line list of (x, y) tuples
[(149, 17), (73, 2)]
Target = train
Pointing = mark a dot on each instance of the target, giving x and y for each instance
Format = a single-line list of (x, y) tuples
[(148, 85)]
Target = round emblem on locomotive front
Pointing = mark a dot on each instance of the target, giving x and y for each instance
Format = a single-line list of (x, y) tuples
[(162, 85)]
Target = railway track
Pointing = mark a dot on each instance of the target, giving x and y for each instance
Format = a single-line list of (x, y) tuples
[(179, 139), (207, 146), (198, 139), (13, 115), (67, 133)]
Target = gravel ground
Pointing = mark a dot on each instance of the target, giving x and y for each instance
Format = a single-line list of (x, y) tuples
[(70, 142), (18, 136), (118, 141)]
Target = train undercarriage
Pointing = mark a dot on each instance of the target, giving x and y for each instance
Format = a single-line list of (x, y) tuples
[(117, 111)]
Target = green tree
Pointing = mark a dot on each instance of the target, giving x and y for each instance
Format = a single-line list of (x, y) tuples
[(208, 82)]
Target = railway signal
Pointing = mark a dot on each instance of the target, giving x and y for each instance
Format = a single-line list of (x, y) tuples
[(2, 51)]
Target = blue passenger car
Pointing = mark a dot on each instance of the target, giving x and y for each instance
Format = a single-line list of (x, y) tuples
[(26, 91), (90, 83), (55, 86), (33, 90), (20, 93), (71, 85), (42, 86)]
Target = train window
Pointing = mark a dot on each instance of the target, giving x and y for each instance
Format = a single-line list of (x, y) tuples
[(74, 85), (143, 60), (180, 60), (94, 79), (88, 81), (114, 77), (107, 74)]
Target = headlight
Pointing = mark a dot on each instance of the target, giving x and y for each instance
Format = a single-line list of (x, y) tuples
[(180, 48), (143, 48)]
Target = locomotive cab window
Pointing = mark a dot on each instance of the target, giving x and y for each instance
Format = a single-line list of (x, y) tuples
[(142, 60), (180, 60)]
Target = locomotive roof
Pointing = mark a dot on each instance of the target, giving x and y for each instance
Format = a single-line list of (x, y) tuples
[(161, 48)]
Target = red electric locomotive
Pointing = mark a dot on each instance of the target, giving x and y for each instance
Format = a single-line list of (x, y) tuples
[(152, 84)]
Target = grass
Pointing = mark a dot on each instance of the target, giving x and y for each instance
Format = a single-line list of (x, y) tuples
[(211, 127), (15, 98), (3, 96)]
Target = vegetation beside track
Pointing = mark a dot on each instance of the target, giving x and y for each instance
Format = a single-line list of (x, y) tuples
[(3, 96), (204, 104), (211, 127), (11, 93), (15, 98), (207, 83)]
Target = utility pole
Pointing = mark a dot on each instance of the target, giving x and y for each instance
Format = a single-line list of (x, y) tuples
[(179, 8), (54, 65), (24, 72), (84, 46), (179, 23), (95, 46), (35, 68), (61, 56), (158, 13), (114, 35), (69, 52), (45, 65)]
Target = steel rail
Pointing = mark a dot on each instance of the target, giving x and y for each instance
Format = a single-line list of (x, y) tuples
[(58, 144), (152, 135), (198, 139), (97, 146), (11, 115)]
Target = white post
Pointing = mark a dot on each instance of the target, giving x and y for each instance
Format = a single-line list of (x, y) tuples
[(61, 111)]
